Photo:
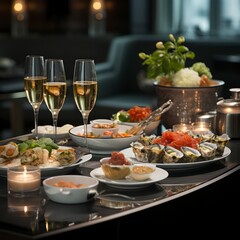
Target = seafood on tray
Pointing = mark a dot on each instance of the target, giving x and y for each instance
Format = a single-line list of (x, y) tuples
[(179, 147), (43, 153)]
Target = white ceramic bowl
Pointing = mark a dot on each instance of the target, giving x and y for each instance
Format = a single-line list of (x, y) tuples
[(104, 127), (141, 172), (115, 172), (69, 195), (103, 145)]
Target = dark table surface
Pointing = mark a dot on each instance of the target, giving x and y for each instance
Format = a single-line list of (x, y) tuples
[(45, 218)]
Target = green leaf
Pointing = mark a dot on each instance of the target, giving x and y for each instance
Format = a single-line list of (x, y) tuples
[(22, 147), (168, 60)]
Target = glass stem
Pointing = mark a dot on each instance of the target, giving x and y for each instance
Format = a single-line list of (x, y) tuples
[(36, 111), (55, 118), (85, 123)]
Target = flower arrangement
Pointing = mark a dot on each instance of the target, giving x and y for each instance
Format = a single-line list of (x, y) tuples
[(167, 64)]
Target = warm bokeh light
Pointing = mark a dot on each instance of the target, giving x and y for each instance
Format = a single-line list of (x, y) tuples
[(97, 5), (99, 16), (18, 7)]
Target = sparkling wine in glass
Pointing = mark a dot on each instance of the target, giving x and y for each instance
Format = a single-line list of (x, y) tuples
[(85, 89), (54, 89), (33, 84)]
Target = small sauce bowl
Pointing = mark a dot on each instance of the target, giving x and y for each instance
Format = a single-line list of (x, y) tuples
[(104, 127), (141, 172)]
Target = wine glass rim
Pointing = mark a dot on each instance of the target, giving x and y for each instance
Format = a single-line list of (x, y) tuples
[(34, 55), (54, 59), (84, 59)]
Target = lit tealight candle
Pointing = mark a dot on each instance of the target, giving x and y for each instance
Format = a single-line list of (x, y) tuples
[(200, 127), (183, 127), (24, 179)]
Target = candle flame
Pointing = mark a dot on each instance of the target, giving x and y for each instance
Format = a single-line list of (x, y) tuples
[(25, 209)]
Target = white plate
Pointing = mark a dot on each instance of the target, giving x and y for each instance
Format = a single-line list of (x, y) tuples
[(129, 183), (52, 171), (47, 131), (103, 145), (175, 166)]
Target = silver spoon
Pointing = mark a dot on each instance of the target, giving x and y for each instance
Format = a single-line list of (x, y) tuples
[(116, 195)]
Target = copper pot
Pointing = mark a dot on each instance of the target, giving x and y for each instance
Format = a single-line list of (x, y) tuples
[(188, 103)]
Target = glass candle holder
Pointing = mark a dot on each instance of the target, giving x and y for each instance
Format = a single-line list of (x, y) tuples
[(201, 127), (208, 120), (182, 127), (23, 179)]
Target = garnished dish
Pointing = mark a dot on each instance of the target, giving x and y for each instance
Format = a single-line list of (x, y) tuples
[(135, 115), (118, 171), (116, 167), (179, 149), (104, 145), (43, 153), (129, 183)]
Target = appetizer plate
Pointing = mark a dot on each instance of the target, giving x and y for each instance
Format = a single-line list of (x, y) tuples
[(129, 183), (103, 145), (52, 171), (178, 166), (49, 172)]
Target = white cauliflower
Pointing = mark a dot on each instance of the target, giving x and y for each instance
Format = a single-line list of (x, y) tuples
[(186, 78)]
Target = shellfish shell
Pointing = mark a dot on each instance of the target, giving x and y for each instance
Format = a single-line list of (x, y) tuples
[(221, 141), (172, 155), (207, 150), (139, 151), (190, 154), (155, 153)]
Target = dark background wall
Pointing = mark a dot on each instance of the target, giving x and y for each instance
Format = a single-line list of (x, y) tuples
[(67, 16)]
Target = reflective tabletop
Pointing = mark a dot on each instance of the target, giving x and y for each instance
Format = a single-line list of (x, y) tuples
[(35, 216)]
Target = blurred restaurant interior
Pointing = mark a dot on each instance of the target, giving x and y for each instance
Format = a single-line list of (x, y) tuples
[(112, 35)]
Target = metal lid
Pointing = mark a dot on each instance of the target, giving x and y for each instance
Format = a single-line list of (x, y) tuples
[(229, 106), (235, 93)]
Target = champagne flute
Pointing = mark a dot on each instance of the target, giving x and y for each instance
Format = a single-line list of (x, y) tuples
[(54, 89), (85, 89), (33, 84)]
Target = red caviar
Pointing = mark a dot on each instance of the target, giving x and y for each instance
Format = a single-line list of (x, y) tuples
[(177, 140), (137, 113)]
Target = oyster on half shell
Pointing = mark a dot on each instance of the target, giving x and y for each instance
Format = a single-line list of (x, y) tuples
[(207, 150), (190, 154), (139, 151), (171, 155), (221, 142), (151, 153), (155, 153)]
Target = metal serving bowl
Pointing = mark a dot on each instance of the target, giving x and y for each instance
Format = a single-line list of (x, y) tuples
[(188, 103)]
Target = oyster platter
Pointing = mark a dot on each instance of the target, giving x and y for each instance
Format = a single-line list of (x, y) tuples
[(179, 149)]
